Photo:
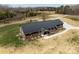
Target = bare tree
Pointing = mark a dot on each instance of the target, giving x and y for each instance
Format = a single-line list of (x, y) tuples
[(44, 16)]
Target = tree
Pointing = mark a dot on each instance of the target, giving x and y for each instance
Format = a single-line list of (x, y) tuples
[(44, 16), (60, 9), (64, 10)]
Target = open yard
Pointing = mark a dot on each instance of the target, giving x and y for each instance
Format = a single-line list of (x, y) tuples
[(67, 42), (61, 37), (64, 43)]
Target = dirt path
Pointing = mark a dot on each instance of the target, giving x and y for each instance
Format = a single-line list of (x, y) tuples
[(27, 19), (55, 16), (64, 19), (17, 22), (66, 25)]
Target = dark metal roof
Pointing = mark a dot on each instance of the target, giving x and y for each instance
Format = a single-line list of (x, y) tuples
[(37, 26)]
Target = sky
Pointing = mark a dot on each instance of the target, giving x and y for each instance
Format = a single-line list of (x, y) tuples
[(34, 5)]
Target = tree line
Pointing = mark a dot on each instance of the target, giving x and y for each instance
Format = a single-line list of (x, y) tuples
[(29, 12), (64, 10), (6, 15)]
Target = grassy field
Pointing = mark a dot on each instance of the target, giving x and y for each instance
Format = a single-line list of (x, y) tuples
[(8, 36), (64, 43)]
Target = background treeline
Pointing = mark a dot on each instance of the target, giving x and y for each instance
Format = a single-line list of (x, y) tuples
[(65, 10), (6, 15), (69, 10), (9, 13)]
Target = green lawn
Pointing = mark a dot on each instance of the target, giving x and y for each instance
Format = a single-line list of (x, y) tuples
[(8, 36)]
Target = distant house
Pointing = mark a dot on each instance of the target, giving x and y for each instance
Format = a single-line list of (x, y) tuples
[(36, 29)]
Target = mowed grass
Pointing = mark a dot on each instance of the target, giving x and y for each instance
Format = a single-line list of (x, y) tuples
[(8, 36)]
